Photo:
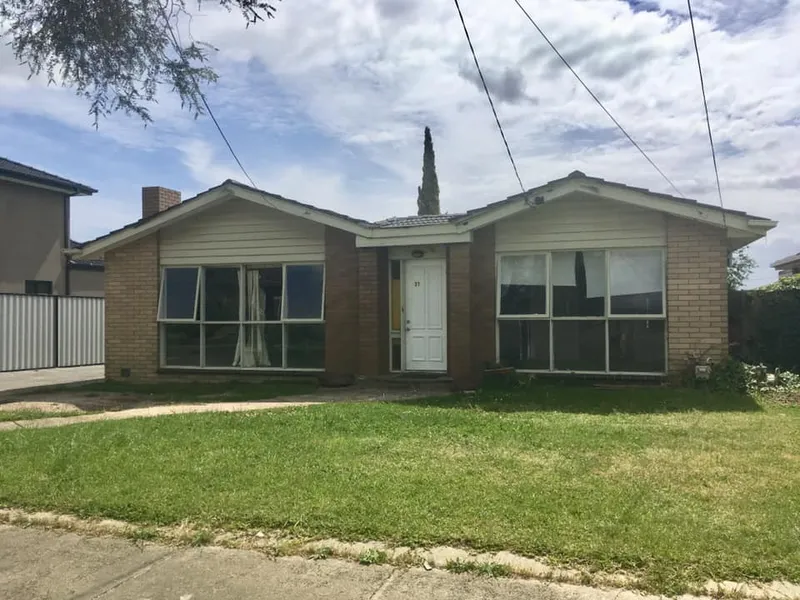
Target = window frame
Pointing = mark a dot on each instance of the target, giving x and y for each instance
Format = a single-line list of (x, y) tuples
[(241, 322), (606, 318), (162, 299), (548, 289)]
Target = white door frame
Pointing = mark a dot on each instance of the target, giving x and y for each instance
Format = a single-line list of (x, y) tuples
[(407, 266)]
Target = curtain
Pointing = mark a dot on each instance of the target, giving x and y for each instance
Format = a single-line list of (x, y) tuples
[(563, 269), (636, 272), (252, 348), (595, 265), (523, 270)]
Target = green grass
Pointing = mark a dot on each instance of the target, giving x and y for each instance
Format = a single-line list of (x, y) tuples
[(677, 486), (28, 414)]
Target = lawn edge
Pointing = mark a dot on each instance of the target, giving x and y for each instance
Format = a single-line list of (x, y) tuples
[(457, 560)]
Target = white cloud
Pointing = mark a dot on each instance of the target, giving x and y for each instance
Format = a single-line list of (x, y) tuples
[(369, 74)]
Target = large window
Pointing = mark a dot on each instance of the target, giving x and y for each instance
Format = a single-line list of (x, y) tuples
[(592, 311), (243, 317)]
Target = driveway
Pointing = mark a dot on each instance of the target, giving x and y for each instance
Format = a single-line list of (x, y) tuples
[(42, 378), (39, 564)]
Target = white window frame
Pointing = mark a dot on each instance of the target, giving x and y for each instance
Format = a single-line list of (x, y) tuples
[(162, 294), (241, 322), (498, 267), (606, 318)]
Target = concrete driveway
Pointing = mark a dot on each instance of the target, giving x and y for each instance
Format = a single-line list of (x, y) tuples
[(44, 378), (39, 564)]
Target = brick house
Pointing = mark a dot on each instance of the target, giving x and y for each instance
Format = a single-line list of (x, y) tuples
[(579, 275)]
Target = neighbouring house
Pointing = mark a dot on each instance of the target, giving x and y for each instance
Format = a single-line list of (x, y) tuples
[(35, 232), (580, 275), (786, 267)]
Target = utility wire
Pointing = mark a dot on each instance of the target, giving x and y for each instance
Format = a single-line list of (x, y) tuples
[(488, 95), (596, 99), (708, 119), (179, 50)]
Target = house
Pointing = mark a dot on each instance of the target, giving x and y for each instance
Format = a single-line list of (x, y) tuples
[(34, 232), (580, 275), (788, 266)]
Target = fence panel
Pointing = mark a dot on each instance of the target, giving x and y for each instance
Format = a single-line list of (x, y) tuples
[(80, 331), (26, 332), (42, 332)]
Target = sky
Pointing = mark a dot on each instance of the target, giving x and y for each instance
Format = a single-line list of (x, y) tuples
[(327, 102)]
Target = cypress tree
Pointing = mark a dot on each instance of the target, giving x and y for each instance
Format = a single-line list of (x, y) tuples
[(428, 192)]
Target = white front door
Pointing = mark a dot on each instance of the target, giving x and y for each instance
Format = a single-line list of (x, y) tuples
[(425, 314)]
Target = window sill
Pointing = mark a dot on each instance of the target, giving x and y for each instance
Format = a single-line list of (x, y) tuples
[(246, 372)]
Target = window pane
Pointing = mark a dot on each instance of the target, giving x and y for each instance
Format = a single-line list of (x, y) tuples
[(179, 292), (305, 346), (394, 295), (304, 291), (579, 345), (397, 354), (637, 282), (523, 285), (525, 344), (262, 346), (264, 294), (636, 346), (221, 344), (181, 345), (579, 284), (221, 293)]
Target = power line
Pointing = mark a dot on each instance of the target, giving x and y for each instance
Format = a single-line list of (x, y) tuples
[(488, 95), (596, 99), (708, 119), (179, 50)]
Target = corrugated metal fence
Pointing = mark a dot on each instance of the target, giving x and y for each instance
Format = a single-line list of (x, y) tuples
[(40, 332)]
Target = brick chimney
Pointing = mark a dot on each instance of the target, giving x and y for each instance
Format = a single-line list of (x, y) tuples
[(156, 199)]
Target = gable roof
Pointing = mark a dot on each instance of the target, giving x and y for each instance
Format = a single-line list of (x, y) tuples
[(781, 262), (14, 171), (742, 228)]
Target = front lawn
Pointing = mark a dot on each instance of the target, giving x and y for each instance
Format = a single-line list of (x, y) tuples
[(677, 486)]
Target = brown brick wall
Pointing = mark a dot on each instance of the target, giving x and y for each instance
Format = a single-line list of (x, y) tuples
[(131, 292), (341, 303), (483, 292), (155, 199), (373, 312), (697, 293), (459, 321)]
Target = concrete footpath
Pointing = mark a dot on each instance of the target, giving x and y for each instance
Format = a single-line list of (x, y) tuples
[(12, 381), (38, 564)]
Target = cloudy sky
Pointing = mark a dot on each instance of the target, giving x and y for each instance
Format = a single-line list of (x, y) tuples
[(326, 104)]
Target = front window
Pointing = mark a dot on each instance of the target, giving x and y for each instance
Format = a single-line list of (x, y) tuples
[(592, 311), (243, 317)]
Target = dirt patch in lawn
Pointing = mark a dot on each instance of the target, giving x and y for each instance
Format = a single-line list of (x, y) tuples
[(78, 401)]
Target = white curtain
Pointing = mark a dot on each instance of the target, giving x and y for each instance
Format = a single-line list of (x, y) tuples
[(595, 265), (252, 348), (636, 272), (523, 270), (563, 269)]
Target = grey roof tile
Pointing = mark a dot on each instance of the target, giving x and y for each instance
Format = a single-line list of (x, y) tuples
[(14, 170)]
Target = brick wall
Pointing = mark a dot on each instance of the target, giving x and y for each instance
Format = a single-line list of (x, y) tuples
[(483, 292), (341, 304), (155, 199), (373, 312), (697, 292), (459, 321), (131, 292)]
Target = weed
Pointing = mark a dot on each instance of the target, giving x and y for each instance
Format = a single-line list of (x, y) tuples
[(460, 566), (202, 538), (321, 553), (492, 569), (372, 556)]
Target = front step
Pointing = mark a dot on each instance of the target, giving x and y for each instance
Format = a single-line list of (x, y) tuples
[(433, 383)]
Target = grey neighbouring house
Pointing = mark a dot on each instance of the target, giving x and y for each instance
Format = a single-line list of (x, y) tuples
[(787, 266), (35, 233), (579, 275)]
